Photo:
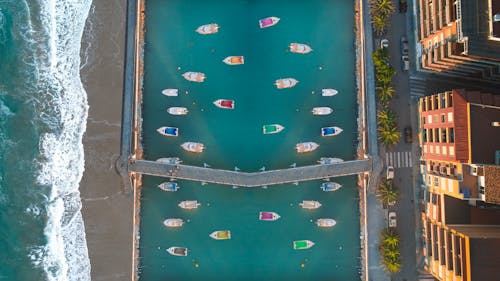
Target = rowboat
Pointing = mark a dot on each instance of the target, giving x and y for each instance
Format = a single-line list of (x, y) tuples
[(234, 60), (329, 92), (324, 110), (194, 76), (193, 147), (272, 129), (210, 28), (330, 131), (168, 131), (302, 244), (326, 222), (178, 251), (309, 204), (170, 92), (227, 104), (169, 160), (221, 235), (190, 204), (329, 160), (330, 186), (285, 83), (169, 186), (267, 22), (173, 222), (306, 146), (300, 48), (177, 110), (268, 216)]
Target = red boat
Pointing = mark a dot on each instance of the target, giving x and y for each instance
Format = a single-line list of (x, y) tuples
[(227, 104)]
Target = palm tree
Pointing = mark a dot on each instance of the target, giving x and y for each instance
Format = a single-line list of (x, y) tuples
[(388, 135), (385, 92), (392, 266), (387, 192), (386, 117), (390, 238), (379, 23), (384, 7)]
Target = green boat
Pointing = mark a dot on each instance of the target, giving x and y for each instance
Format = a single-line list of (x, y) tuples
[(302, 244), (272, 129)]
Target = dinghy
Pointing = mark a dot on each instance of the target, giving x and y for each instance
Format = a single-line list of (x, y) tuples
[(268, 22), (210, 28)]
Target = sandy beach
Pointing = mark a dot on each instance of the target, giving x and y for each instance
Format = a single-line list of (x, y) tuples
[(107, 210)]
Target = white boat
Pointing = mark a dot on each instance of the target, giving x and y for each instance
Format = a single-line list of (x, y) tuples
[(170, 92), (268, 22), (221, 235), (306, 146), (323, 110), (168, 131), (326, 222), (169, 160), (272, 129), (194, 76), (309, 204), (285, 83), (302, 244), (177, 110), (169, 186), (330, 186), (189, 204), (234, 60), (330, 131), (193, 147), (268, 216), (227, 104), (210, 28), (329, 160), (300, 48), (173, 222), (178, 251), (329, 92)]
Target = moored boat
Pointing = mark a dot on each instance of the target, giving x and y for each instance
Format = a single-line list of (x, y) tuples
[(234, 60), (302, 244), (323, 110), (169, 186), (227, 104), (330, 131), (178, 251), (189, 204), (193, 146), (329, 160), (175, 110), (326, 222), (300, 48), (272, 129), (310, 204), (306, 146), (286, 83), (330, 186), (268, 216), (170, 92), (329, 92), (210, 28), (168, 131), (173, 222), (194, 76), (169, 160), (221, 235), (268, 22)]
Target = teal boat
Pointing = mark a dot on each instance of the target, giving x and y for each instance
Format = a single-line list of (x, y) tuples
[(272, 129), (302, 244)]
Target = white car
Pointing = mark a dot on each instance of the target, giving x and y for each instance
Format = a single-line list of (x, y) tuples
[(393, 219), (384, 43), (390, 172)]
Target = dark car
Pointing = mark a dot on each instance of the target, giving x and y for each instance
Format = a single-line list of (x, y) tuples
[(403, 6), (404, 46), (408, 135)]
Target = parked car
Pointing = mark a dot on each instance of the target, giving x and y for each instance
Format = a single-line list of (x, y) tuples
[(390, 172), (404, 46), (384, 43), (408, 135), (393, 219), (405, 63), (403, 6)]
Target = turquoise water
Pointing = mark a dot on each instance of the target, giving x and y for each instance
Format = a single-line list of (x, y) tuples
[(233, 138)]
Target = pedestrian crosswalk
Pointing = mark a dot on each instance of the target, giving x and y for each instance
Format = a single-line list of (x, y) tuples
[(399, 159), (417, 86)]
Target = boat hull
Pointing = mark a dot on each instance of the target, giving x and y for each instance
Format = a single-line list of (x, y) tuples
[(178, 251), (286, 83), (329, 160), (234, 60), (193, 147), (268, 216), (322, 110), (169, 160), (170, 92), (168, 131), (329, 92), (272, 129), (221, 235), (189, 205), (330, 131), (300, 48), (169, 186), (173, 222), (302, 244), (177, 110), (194, 76), (326, 222), (310, 205), (268, 22), (330, 186), (210, 28), (225, 104), (306, 147)]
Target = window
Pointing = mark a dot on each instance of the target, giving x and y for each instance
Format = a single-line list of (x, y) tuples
[(443, 135), (451, 133), (443, 101), (423, 120), (423, 103), (431, 135), (450, 117), (424, 135), (443, 118), (436, 135), (450, 99), (435, 181)]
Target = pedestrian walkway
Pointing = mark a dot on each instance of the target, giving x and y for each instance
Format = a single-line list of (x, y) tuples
[(399, 159), (417, 86)]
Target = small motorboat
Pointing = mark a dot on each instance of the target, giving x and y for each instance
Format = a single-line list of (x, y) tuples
[(169, 186), (326, 222), (268, 22), (329, 92), (194, 76), (177, 110), (330, 186), (272, 129), (189, 204), (168, 131), (169, 160), (193, 147), (210, 28), (170, 92), (310, 205), (178, 251), (330, 131), (221, 235), (324, 110), (300, 48), (286, 83), (173, 222), (329, 160), (306, 146), (234, 60), (268, 216), (302, 244), (227, 104)]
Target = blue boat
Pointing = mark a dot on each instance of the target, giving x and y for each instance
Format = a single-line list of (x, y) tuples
[(330, 131), (168, 131), (330, 186), (169, 186)]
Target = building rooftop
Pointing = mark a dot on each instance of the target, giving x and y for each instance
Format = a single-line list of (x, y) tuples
[(492, 184), (476, 26), (459, 212), (484, 148)]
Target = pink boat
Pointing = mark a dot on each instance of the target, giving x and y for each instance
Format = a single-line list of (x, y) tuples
[(267, 22), (268, 216)]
